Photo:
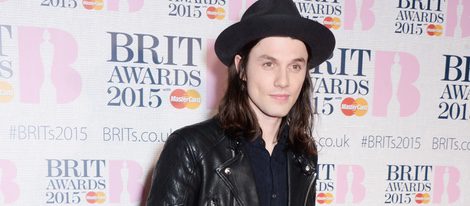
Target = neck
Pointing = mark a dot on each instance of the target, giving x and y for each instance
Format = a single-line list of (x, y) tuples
[(270, 127)]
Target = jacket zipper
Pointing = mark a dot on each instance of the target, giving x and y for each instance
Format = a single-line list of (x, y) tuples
[(309, 188)]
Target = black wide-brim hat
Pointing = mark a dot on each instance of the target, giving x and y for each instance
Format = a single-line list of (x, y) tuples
[(266, 18)]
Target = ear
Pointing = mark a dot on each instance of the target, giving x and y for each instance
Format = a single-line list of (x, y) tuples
[(236, 61), (241, 72)]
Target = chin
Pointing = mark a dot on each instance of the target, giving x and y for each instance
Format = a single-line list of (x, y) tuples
[(278, 113)]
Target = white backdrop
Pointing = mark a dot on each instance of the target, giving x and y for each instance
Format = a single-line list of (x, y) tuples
[(90, 90)]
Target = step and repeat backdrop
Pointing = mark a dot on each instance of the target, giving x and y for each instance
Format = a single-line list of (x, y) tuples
[(91, 89)]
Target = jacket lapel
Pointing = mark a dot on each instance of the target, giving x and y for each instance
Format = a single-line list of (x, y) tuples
[(237, 175), (301, 175)]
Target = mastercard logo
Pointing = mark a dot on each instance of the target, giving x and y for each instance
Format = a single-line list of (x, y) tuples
[(332, 22), (358, 107), (215, 13), (434, 30), (325, 198), (93, 4), (190, 99), (95, 197), (422, 198), (6, 92)]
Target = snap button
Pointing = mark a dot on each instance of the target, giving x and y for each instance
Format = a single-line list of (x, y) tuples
[(274, 196), (228, 171)]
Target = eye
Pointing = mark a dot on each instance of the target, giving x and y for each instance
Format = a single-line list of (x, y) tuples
[(268, 64), (296, 67)]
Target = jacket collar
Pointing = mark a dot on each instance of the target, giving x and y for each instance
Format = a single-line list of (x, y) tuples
[(237, 174)]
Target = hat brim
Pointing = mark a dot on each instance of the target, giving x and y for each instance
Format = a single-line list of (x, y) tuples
[(317, 37)]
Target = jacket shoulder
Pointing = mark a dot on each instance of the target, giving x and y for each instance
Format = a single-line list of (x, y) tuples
[(200, 137)]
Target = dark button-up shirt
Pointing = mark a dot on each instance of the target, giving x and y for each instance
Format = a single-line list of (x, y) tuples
[(270, 172)]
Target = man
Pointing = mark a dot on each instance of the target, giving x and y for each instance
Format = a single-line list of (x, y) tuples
[(258, 149)]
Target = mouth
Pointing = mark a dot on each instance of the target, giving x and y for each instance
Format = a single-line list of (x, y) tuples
[(280, 97)]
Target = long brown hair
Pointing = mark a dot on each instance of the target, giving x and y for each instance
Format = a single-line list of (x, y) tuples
[(239, 120)]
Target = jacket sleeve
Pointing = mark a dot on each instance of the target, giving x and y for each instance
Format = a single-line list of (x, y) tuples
[(176, 177)]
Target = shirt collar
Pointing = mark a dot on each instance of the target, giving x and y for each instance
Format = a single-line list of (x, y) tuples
[(282, 139)]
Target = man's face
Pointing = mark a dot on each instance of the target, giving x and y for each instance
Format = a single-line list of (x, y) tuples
[(275, 73)]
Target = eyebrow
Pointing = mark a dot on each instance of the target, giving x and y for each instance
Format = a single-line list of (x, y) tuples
[(300, 59), (264, 56)]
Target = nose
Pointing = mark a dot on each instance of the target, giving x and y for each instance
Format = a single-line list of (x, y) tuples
[(282, 78)]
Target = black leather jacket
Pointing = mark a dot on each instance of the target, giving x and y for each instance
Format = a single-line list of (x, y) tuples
[(199, 165)]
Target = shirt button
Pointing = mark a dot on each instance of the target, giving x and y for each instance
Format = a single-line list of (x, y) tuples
[(274, 196)]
